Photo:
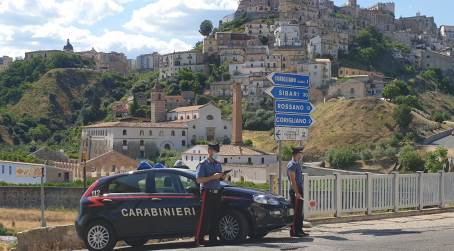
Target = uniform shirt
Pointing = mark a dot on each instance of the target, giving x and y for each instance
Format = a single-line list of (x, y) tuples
[(293, 166), (207, 168)]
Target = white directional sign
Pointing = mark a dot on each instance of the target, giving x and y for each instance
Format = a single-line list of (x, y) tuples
[(291, 133)]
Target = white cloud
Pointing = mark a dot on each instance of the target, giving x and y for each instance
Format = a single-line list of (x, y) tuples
[(85, 12), (152, 17)]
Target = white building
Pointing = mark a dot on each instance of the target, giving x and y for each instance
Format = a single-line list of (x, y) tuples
[(142, 140), (204, 122), (229, 154), (287, 35), (447, 32), (29, 173), (329, 45), (173, 62), (319, 72)]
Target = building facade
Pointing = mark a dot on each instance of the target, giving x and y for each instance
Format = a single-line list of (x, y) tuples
[(5, 61), (287, 35), (173, 62), (148, 62), (29, 173)]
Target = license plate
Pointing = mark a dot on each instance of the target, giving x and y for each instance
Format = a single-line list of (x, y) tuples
[(291, 212)]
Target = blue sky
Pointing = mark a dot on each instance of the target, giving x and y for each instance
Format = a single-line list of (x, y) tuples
[(135, 26)]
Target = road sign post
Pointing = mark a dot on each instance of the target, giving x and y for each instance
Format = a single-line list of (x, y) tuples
[(292, 110)]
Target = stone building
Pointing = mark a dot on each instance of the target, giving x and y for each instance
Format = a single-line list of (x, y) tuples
[(426, 59), (120, 109), (328, 45), (5, 61), (111, 61), (41, 53), (319, 72), (447, 32), (345, 72), (418, 24), (109, 163), (259, 28), (148, 62), (173, 62), (351, 88), (287, 35), (158, 104), (257, 8)]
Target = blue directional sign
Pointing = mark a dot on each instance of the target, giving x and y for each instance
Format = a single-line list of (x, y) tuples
[(289, 93), (293, 120), (291, 80), (284, 106)]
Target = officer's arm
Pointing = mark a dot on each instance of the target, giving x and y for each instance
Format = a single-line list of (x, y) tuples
[(203, 180), (292, 175)]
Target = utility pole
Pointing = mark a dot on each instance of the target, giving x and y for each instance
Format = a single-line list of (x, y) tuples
[(279, 168), (43, 172)]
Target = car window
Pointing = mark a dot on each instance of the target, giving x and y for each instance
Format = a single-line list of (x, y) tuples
[(167, 183), (135, 183), (187, 183)]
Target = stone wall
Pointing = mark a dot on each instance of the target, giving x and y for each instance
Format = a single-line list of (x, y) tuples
[(50, 238), (29, 197)]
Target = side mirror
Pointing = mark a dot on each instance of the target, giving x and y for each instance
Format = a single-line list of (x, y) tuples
[(193, 190)]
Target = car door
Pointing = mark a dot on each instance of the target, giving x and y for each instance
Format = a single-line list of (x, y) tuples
[(125, 198), (175, 207)]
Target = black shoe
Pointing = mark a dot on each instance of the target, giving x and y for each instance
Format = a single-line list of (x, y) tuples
[(210, 244), (299, 234)]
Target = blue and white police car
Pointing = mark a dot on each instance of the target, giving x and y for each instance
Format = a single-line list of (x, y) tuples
[(164, 203)]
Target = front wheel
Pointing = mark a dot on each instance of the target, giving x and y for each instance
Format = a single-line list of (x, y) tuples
[(100, 236), (233, 227)]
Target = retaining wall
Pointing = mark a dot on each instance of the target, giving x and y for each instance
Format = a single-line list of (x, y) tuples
[(29, 197)]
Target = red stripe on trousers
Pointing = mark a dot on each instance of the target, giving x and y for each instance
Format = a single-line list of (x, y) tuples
[(198, 233), (297, 214)]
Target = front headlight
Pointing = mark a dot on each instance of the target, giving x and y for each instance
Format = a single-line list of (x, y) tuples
[(265, 199)]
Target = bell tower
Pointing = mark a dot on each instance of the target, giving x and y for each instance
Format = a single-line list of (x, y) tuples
[(158, 104)]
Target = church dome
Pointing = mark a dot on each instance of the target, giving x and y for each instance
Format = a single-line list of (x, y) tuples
[(68, 47)]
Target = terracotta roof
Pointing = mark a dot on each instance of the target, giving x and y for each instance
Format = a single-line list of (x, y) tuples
[(188, 108), (228, 150), (138, 125)]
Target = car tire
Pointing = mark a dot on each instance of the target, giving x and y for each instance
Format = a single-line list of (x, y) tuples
[(233, 227), (257, 236), (100, 236), (136, 243)]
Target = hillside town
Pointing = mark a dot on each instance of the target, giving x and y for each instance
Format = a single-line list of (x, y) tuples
[(299, 36)]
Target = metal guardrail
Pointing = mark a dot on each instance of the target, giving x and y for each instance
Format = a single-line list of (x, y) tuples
[(334, 195)]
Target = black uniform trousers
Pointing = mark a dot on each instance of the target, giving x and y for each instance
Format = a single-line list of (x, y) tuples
[(298, 217), (209, 215)]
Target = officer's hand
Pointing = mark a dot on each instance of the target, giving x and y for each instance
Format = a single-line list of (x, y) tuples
[(218, 176), (298, 196), (223, 176)]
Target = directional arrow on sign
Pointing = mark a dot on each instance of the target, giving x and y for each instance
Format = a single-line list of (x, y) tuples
[(284, 106), (293, 120), (291, 133), (289, 79), (288, 93)]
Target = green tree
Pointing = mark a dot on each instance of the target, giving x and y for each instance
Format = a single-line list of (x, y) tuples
[(409, 160), (39, 133), (340, 158), (436, 160), (403, 117), (206, 27)]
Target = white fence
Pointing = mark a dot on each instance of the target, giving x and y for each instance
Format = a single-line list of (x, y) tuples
[(337, 194)]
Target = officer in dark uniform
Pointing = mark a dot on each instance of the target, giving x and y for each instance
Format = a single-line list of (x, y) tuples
[(209, 175), (295, 177)]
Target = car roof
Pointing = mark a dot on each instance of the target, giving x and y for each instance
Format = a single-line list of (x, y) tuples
[(173, 170)]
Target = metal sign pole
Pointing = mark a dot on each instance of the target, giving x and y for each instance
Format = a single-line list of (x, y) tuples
[(279, 150)]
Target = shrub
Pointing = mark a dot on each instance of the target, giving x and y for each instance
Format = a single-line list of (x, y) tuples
[(403, 117), (439, 117), (366, 155), (4, 231), (248, 142), (340, 158), (436, 160), (409, 159)]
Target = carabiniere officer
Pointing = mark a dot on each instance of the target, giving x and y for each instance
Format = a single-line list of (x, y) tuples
[(295, 176), (209, 175)]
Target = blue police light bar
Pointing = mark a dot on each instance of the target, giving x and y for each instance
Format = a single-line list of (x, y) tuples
[(291, 80)]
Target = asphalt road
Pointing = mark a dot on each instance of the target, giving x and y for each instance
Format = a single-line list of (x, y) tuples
[(447, 142), (429, 232)]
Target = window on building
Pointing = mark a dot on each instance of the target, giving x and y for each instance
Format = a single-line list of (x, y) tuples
[(352, 90), (125, 132), (59, 175), (195, 116), (225, 127), (193, 127), (114, 169), (192, 158), (134, 183), (150, 133), (172, 133), (186, 157), (210, 117), (10, 170), (263, 161), (141, 133), (142, 142), (183, 142), (181, 117), (125, 143), (226, 160), (249, 161), (183, 133), (167, 146), (3, 169), (188, 117)]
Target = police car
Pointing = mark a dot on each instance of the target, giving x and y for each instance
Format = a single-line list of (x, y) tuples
[(164, 203)]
